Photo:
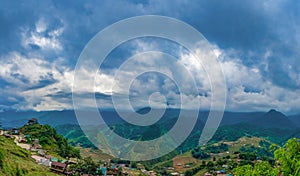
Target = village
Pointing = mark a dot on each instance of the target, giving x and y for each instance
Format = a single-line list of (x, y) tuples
[(64, 166)]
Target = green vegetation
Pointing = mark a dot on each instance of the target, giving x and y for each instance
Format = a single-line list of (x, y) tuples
[(217, 148), (15, 161), (199, 154), (288, 162), (75, 136), (233, 146), (234, 132), (50, 140), (289, 157), (194, 170), (262, 168), (87, 166)]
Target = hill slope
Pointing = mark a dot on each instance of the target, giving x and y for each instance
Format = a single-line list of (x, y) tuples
[(16, 161)]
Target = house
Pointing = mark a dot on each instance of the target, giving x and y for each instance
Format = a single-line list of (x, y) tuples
[(58, 167), (15, 131), (22, 139), (170, 168), (140, 166), (32, 121), (73, 161), (38, 159), (207, 174), (152, 173), (41, 152), (46, 162), (7, 135), (221, 172), (53, 159), (225, 166), (35, 145)]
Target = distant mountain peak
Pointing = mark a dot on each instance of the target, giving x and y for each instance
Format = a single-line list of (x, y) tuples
[(273, 119), (144, 110), (273, 112)]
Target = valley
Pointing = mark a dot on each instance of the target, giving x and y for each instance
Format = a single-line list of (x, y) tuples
[(246, 139)]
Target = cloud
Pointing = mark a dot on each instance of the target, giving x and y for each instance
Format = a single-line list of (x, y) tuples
[(257, 42), (42, 38), (32, 78)]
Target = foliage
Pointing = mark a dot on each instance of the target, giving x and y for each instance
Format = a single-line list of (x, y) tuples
[(50, 140), (86, 166), (234, 132), (260, 168), (289, 157), (258, 151), (217, 149), (75, 135), (199, 154), (194, 170), (17, 161)]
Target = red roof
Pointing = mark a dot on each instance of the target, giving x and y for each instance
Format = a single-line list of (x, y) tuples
[(58, 164)]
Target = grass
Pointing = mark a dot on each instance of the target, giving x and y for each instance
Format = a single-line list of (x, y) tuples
[(17, 161)]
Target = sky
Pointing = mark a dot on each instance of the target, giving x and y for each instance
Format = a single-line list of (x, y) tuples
[(257, 44)]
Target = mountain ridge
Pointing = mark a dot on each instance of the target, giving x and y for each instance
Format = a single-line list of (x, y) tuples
[(10, 119)]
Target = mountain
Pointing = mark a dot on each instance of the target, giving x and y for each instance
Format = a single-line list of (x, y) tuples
[(12, 119), (295, 119), (272, 119)]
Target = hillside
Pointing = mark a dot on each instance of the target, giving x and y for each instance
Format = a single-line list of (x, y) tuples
[(50, 140), (16, 161)]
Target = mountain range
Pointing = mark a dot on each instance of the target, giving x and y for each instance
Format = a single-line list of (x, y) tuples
[(270, 119)]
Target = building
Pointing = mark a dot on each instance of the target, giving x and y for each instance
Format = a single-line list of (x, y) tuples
[(35, 145), (15, 131), (58, 167), (32, 121)]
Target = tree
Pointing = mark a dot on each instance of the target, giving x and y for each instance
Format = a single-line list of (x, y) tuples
[(289, 157), (243, 170), (261, 168), (210, 165), (199, 154), (288, 162)]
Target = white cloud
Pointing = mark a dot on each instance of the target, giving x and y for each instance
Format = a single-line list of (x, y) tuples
[(42, 37), (28, 76), (248, 89)]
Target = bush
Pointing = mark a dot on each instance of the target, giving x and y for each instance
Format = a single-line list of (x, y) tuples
[(199, 154)]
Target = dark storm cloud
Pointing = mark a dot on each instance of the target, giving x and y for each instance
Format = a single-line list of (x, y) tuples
[(250, 28)]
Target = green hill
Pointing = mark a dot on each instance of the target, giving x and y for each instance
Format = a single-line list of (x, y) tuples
[(50, 140), (15, 161)]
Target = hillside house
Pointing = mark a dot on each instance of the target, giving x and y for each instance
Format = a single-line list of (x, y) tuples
[(58, 167), (15, 131), (35, 145), (32, 121), (221, 172)]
